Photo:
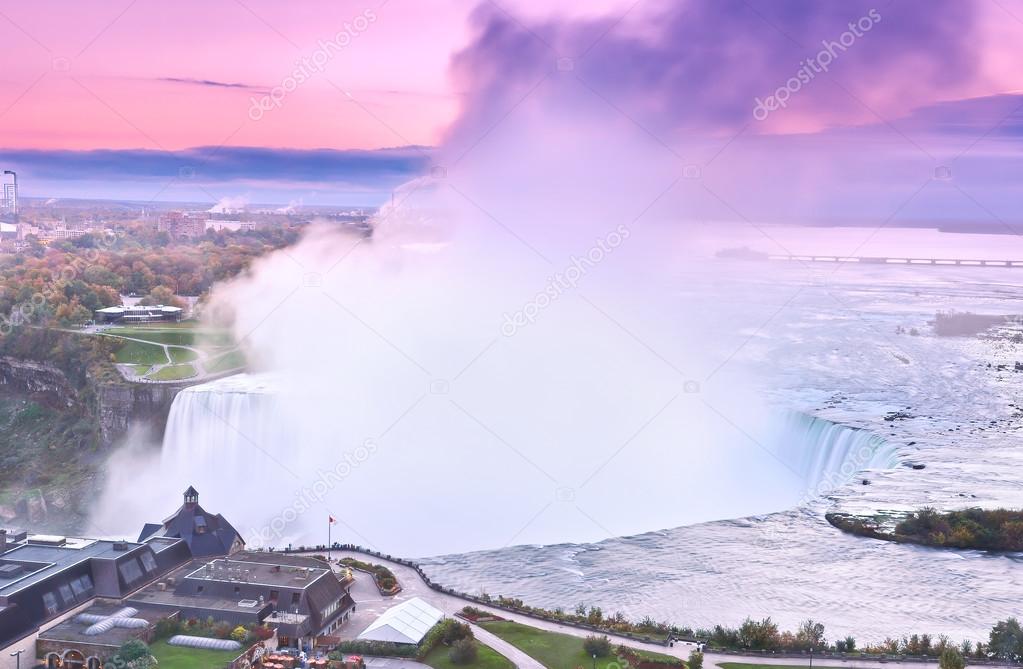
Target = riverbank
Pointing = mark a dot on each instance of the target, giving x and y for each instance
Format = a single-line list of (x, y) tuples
[(995, 530), (416, 585)]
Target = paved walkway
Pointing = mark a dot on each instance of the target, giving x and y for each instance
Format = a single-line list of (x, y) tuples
[(369, 605)]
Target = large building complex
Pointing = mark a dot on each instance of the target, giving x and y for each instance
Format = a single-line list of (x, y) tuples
[(78, 600)]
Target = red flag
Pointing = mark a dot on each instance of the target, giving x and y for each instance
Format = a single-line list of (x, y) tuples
[(330, 519)]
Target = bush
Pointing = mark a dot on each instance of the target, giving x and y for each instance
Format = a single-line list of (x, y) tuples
[(376, 648), (951, 658), (463, 651), (167, 627), (455, 631), (696, 660), (239, 633), (132, 650), (597, 645)]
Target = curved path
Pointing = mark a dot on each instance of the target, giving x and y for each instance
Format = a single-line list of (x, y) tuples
[(370, 604)]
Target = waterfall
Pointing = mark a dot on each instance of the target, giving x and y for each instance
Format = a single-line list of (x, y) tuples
[(276, 468), (826, 454)]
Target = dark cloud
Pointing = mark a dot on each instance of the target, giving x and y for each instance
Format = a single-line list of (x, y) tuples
[(383, 168), (212, 84), (699, 64)]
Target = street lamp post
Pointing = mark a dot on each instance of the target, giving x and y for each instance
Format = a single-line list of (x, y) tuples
[(811, 657), (17, 658), (594, 661)]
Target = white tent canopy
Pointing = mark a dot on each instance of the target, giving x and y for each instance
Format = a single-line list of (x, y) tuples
[(407, 622)]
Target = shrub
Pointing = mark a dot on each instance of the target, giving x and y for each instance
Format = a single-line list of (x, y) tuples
[(758, 635), (464, 651), (696, 660), (132, 650), (597, 645), (377, 648), (168, 627), (239, 633), (951, 658)]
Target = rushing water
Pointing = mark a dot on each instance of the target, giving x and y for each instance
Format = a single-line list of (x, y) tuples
[(949, 405)]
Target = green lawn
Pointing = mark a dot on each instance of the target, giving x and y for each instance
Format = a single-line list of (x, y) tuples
[(553, 650), (231, 360), (140, 370), (178, 657), (742, 665), (181, 354), (173, 373), (178, 335), (488, 658), (137, 353)]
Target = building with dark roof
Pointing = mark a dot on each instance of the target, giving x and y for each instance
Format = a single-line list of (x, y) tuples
[(299, 596), (206, 534), (190, 566), (42, 577)]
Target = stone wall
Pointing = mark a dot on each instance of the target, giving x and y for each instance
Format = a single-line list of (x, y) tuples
[(118, 406), (40, 379)]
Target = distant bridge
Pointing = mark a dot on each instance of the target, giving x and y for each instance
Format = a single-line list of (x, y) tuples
[(895, 260)]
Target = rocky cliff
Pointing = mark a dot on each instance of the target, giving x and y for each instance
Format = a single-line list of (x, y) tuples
[(120, 405), (38, 379), (115, 406)]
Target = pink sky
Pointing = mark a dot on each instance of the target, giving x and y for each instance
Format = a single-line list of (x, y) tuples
[(149, 80), (91, 74), (94, 74)]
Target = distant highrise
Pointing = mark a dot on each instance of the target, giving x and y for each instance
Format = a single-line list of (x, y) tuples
[(9, 203)]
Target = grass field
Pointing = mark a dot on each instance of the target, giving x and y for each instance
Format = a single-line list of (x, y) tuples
[(182, 354), (488, 658), (176, 336), (173, 373), (742, 665), (231, 360), (137, 353), (176, 657), (553, 650)]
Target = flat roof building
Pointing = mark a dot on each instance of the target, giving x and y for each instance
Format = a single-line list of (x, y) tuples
[(43, 576), (190, 566), (139, 314), (299, 596)]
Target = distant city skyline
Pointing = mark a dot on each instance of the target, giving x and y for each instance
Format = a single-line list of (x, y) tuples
[(315, 103)]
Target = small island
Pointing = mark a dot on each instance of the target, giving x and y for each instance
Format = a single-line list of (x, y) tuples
[(978, 529)]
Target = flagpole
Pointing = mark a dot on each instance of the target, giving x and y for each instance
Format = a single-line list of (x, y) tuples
[(328, 538)]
